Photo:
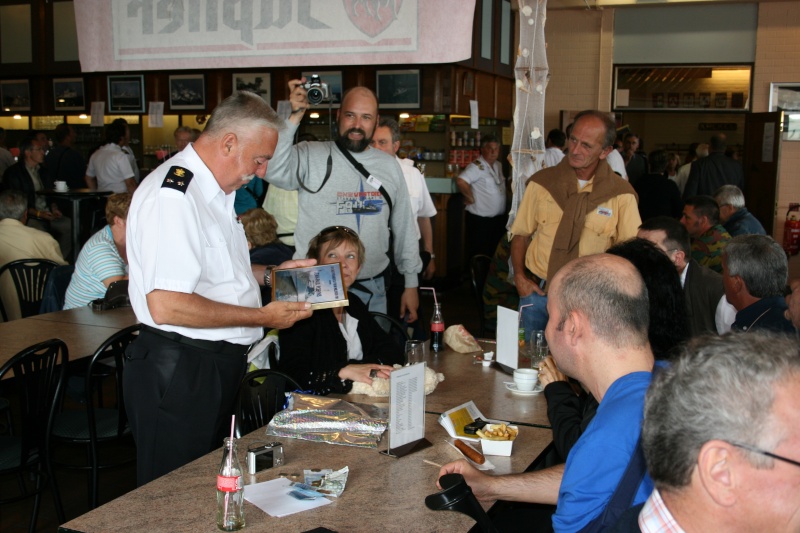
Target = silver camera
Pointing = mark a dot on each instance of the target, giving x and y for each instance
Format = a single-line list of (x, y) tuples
[(261, 456), (317, 91)]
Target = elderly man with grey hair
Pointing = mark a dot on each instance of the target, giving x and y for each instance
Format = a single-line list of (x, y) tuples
[(754, 273), (193, 288), (735, 217), (721, 439)]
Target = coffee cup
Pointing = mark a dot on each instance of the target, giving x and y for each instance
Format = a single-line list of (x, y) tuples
[(61, 186), (526, 379)]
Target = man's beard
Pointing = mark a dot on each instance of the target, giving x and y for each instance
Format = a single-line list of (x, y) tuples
[(355, 146)]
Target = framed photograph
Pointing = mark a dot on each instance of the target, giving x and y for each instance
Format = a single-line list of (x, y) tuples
[(786, 97), (68, 94), (187, 91), (688, 100), (737, 100), (15, 95), (333, 79), (398, 89), (673, 100), (721, 100), (704, 100), (126, 94), (258, 83), (658, 100)]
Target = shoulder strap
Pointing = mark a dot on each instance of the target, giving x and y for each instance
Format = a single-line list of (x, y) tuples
[(358, 166), (324, 180)]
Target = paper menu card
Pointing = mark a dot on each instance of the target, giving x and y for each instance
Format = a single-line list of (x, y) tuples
[(455, 419), (273, 498), (507, 337)]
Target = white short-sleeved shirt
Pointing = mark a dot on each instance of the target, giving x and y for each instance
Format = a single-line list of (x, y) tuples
[(189, 242), (617, 164), (421, 202), (553, 156), (111, 167), (488, 188)]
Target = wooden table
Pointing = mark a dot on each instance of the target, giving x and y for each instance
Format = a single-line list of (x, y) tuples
[(82, 329), (382, 494)]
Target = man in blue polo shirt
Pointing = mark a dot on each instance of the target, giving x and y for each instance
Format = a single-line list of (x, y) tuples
[(597, 333)]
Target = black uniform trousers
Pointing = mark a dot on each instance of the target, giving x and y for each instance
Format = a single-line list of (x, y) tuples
[(179, 400)]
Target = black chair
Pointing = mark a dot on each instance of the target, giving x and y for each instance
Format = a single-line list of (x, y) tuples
[(38, 379), (479, 270), (55, 289), (93, 424), (29, 276), (393, 327), (262, 393)]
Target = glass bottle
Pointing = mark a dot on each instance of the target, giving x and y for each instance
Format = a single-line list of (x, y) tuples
[(230, 489), (437, 329)]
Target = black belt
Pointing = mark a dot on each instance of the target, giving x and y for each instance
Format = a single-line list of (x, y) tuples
[(223, 347), (534, 278)]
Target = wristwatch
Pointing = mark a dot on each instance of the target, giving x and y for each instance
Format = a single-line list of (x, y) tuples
[(268, 275)]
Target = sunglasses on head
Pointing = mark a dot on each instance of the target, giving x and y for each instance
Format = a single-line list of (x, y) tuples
[(332, 229)]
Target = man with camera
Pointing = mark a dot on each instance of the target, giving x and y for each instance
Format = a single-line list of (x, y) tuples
[(347, 183)]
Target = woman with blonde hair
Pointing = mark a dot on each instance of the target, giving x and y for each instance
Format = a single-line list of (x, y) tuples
[(260, 229)]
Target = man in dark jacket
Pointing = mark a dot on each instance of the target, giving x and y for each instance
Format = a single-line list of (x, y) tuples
[(710, 173), (64, 162), (30, 176), (658, 195), (735, 217)]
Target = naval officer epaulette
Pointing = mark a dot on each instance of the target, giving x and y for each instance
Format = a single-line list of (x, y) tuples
[(178, 178)]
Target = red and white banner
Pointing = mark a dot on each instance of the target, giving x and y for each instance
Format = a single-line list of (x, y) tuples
[(116, 35)]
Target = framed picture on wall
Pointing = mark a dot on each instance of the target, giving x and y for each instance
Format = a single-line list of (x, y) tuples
[(786, 97), (126, 94), (258, 83), (68, 94), (704, 100), (721, 100), (673, 99), (333, 79), (398, 89), (15, 95), (187, 91), (687, 100)]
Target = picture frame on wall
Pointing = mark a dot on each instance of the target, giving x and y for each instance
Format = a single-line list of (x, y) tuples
[(68, 94), (126, 94), (398, 89), (15, 95), (187, 91), (721, 100), (687, 101), (704, 100), (257, 82), (333, 79), (673, 99), (786, 97)]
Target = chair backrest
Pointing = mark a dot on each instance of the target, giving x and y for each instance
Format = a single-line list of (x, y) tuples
[(479, 270), (393, 327), (262, 393), (39, 374), (29, 276), (111, 353), (55, 289)]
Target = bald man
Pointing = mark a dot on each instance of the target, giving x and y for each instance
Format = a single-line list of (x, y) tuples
[(333, 192)]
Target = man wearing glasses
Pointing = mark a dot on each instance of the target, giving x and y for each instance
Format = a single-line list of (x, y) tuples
[(721, 439)]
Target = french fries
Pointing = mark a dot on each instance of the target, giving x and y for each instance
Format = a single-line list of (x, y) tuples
[(497, 432)]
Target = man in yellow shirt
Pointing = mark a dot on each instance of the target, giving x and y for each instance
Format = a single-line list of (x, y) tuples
[(579, 207)]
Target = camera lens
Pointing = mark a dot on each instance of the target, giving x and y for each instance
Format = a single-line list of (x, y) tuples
[(315, 96)]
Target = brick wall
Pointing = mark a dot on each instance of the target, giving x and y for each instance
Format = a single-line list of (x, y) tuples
[(777, 61)]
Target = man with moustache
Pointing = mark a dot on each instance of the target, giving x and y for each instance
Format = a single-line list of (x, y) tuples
[(194, 291), (579, 207), (332, 191)]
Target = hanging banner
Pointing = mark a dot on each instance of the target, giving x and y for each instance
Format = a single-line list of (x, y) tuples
[(129, 35)]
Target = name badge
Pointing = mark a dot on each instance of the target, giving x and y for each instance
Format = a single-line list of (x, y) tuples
[(374, 182), (604, 211)]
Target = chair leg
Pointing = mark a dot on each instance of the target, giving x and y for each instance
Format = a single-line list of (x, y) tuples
[(36, 500), (54, 487), (94, 476)]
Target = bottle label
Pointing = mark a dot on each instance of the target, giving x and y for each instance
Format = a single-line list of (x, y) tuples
[(437, 326), (229, 484)]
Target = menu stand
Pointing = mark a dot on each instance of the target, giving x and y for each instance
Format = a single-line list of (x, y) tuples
[(407, 411)]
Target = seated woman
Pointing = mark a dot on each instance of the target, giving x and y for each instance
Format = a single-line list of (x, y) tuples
[(102, 260), (261, 231), (334, 347)]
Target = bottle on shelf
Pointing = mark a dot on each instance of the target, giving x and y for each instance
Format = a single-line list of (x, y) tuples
[(437, 329), (230, 489)]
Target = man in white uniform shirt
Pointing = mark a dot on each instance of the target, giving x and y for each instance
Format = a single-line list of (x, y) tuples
[(193, 289), (109, 167), (484, 188)]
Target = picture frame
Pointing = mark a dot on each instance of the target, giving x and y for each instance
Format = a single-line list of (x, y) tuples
[(398, 89), (704, 100), (786, 97), (68, 94), (687, 101), (187, 91), (721, 100), (257, 82), (673, 100), (333, 78), (126, 94), (15, 95)]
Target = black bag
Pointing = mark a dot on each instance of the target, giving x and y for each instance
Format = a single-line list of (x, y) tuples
[(116, 296)]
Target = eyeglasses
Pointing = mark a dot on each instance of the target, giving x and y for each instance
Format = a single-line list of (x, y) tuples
[(764, 452), (332, 229)]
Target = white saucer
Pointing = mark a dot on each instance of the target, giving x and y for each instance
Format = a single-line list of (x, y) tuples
[(510, 385)]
